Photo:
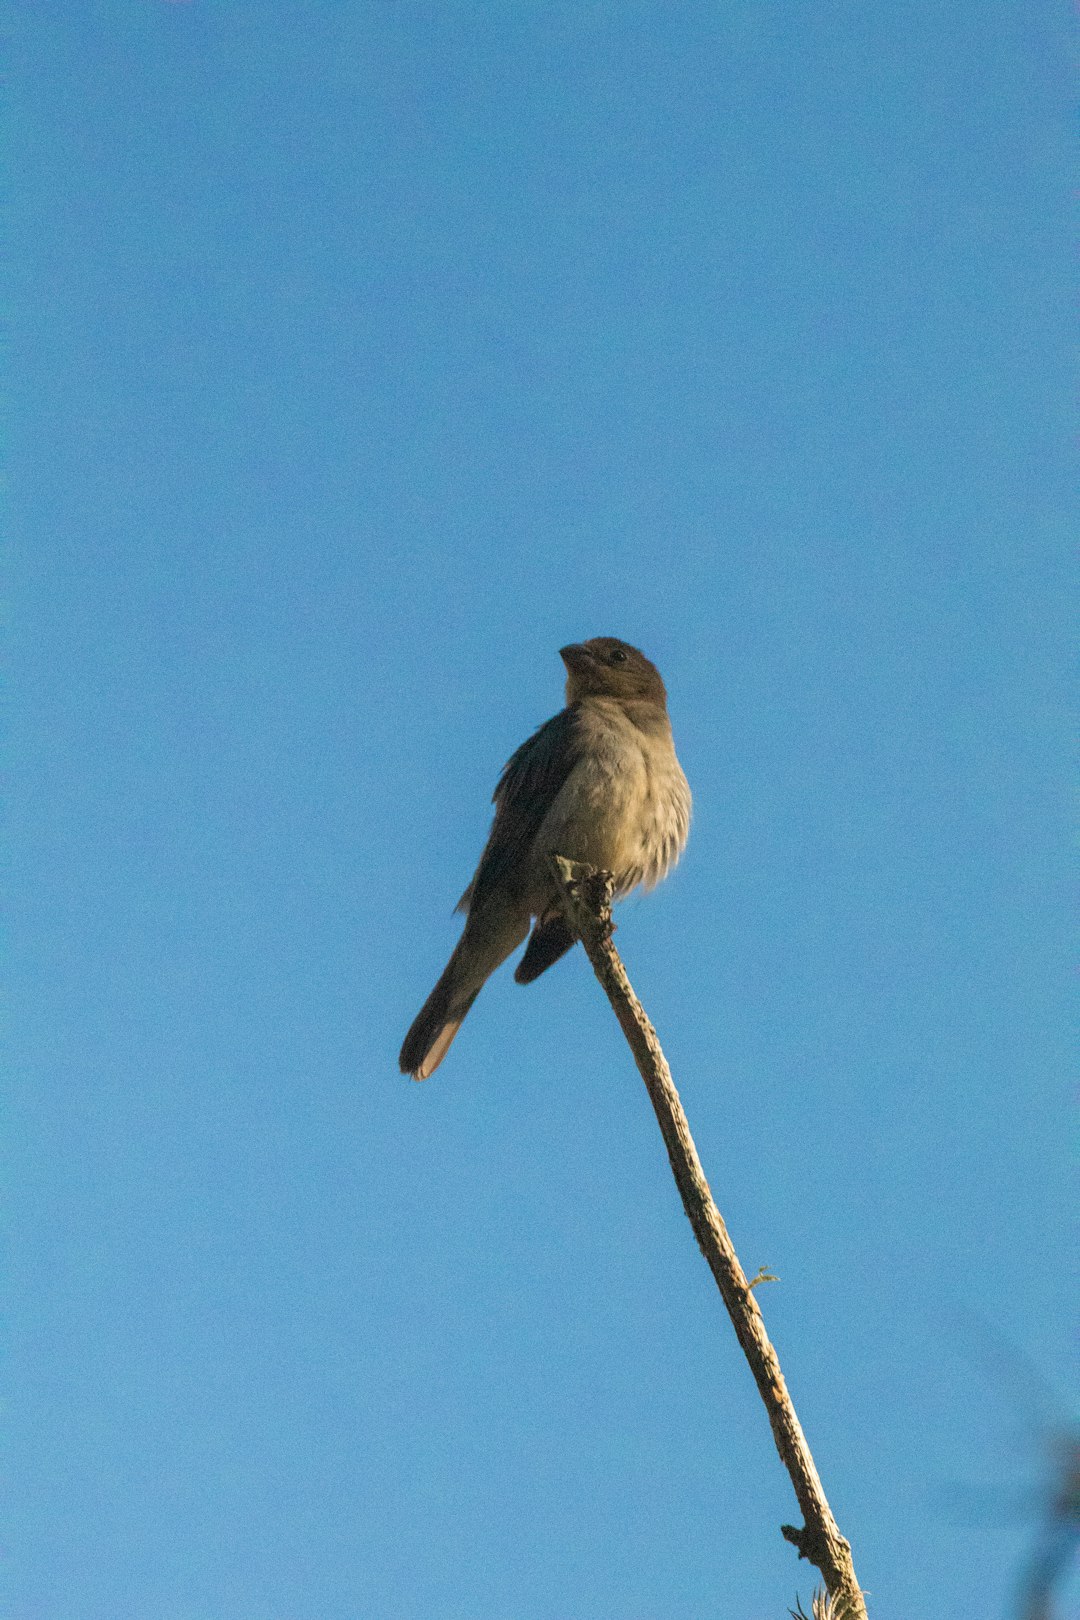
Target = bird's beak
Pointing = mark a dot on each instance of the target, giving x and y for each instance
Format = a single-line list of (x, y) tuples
[(574, 656)]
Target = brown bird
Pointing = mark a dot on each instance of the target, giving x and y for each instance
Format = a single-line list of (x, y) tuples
[(598, 782)]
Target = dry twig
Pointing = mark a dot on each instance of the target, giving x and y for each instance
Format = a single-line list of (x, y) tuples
[(586, 896)]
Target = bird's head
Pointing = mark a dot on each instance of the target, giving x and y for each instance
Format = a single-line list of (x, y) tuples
[(607, 667)]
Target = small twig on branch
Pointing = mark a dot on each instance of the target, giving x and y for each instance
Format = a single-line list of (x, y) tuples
[(822, 1607), (586, 897)]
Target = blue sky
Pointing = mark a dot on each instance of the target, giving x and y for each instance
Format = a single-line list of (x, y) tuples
[(364, 354)]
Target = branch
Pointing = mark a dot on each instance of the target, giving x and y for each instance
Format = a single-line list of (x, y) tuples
[(586, 897)]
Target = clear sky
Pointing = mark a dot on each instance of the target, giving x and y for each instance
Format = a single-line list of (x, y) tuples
[(366, 353)]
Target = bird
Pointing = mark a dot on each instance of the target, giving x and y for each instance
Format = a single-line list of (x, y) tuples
[(599, 783)]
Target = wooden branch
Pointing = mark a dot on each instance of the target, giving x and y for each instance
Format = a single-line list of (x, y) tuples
[(586, 896)]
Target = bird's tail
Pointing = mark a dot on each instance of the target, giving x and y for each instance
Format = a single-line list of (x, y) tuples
[(435, 1026), (489, 937)]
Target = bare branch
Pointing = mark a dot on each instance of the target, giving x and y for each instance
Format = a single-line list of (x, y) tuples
[(586, 896)]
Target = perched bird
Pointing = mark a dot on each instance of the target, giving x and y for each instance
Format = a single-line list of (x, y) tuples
[(598, 782)]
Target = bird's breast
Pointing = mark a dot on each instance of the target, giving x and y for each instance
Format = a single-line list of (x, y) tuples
[(625, 806)]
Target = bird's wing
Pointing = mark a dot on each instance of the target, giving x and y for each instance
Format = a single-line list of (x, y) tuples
[(527, 788)]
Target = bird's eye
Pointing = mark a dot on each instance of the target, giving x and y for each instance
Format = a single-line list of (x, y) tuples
[(617, 656)]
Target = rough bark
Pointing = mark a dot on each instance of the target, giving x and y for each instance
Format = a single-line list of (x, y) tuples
[(586, 897)]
